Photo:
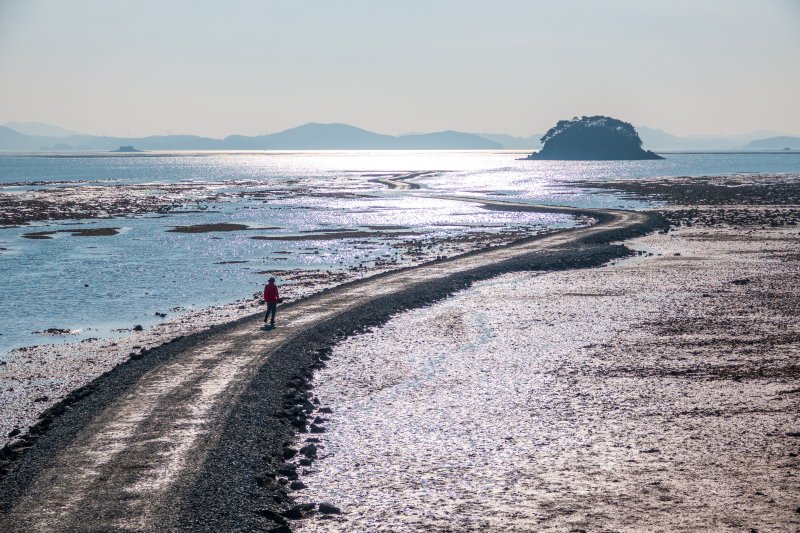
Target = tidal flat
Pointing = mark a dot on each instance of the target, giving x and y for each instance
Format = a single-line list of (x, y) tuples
[(70, 353), (659, 393), (650, 393)]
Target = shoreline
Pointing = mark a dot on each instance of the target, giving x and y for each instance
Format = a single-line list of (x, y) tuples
[(78, 362), (80, 406), (659, 392), (346, 248), (251, 441)]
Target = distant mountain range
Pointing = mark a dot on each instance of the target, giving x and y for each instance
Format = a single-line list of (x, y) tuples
[(311, 136), (35, 136), (659, 140), (40, 129), (780, 142)]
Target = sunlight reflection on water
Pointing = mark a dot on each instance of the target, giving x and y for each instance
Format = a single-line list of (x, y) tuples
[(97, 283)]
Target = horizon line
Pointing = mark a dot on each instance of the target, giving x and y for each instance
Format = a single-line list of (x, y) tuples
[(169, 132)]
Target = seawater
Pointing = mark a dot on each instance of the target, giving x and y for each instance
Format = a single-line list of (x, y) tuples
[(99, 284)]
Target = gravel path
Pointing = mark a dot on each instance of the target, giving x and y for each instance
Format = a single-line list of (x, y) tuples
[(189, 437)]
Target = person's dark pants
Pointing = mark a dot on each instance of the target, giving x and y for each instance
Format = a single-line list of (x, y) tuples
[(271, 308)]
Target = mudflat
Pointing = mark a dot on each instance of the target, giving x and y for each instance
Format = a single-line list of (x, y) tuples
[(205, 423), (659, 393), (656, 393)]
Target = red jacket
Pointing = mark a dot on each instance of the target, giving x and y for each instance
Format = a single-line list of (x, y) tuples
[(271, 293)]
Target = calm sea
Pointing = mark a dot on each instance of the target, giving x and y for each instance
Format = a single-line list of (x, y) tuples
[(97, 284)]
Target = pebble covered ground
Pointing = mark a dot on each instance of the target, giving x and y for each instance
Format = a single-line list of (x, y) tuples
[(34, 378), (657, 394)]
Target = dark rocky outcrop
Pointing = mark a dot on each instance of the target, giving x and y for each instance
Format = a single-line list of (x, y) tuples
[(126, 148), (592, 138)]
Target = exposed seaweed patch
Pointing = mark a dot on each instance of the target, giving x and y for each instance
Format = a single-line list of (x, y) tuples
[(753, 189), (39, 235), (93, 232), (209, 228), (85, 232)]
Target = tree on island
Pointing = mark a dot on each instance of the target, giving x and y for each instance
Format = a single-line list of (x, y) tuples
[(592, 138)]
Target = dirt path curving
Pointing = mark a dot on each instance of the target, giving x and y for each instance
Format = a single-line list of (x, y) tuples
[(166, 443)]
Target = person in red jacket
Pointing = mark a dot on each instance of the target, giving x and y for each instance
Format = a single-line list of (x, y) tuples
[(272, 299)]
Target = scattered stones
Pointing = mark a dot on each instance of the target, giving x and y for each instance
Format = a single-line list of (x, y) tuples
[(288, 452), (138, 327), (326, 508), (56, 331), (264, 479), (290, 471), (272, 515), (294, 514), (309, 451), (299, 511), (297, 485)]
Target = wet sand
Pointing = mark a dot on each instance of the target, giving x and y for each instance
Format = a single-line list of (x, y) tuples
[(652, 352), (34, 378), (202, 424), (749, 189), (82, 200), (656, 394)]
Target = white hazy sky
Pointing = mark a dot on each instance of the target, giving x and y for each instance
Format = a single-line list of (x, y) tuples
[(214, 68)]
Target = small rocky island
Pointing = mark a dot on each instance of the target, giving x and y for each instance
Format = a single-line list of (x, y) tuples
[(126, 149), (592, 138)]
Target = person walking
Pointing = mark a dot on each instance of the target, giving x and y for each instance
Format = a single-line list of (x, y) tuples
[(272, 299)]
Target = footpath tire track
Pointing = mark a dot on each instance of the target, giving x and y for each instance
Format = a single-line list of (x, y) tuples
[(169, 443)]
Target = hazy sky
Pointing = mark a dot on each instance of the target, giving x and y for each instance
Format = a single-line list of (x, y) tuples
[(512, 66)]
